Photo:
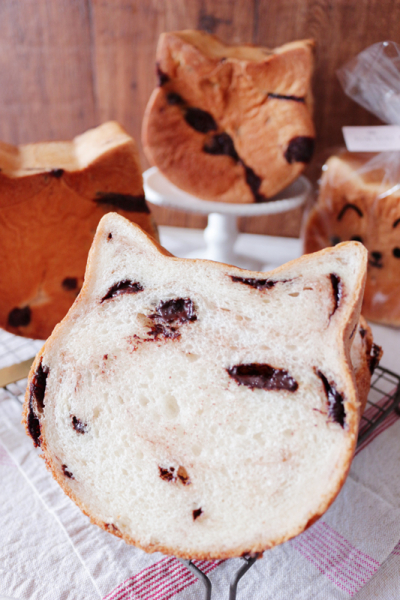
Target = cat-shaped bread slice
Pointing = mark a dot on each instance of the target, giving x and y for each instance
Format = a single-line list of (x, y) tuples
[(52, 197), (357, 201), (197, 409), (230, 123)]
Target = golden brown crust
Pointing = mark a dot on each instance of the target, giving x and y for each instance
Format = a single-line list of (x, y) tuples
[(259, 97), (52, 197), (363, 373), (365, 357), (374, 220)]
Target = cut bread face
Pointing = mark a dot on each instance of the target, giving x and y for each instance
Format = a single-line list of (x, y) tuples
[(52, 197), (230, 123), (197, 409), (359, 199)]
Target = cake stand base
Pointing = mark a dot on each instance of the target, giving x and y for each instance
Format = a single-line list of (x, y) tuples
[(222, 232), (220, 237)]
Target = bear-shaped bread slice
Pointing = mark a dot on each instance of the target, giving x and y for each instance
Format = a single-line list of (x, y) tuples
[(197, 409), (52, 197), (230, 123), (358, 200)]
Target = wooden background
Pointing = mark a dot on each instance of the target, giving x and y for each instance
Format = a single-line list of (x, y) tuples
[(67, 65)]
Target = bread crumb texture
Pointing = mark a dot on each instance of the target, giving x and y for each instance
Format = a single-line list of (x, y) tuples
[(195, 408)]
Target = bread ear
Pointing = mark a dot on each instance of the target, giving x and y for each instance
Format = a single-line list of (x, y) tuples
[(128, 233), (109, 163), (120, 250), (329, 285), (289, 72)]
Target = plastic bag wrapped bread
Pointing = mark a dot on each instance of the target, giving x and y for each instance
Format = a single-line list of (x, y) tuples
[(230, 123), (211, 411), (359, 195), (359, 199), (372, 79), (52, 197)]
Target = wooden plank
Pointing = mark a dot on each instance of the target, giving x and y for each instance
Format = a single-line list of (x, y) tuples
[(46, 89), (126, 33), (342, 29), (125, 36), (67, 65)]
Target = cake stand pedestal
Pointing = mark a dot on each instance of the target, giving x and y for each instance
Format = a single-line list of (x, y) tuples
[(221, 232)]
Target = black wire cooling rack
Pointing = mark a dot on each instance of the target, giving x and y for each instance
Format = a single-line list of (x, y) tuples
[(383, 401), (383, 407)]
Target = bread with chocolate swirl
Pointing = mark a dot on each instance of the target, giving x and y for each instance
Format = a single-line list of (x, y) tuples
[(52, 197), (197, 409), (230, 123)]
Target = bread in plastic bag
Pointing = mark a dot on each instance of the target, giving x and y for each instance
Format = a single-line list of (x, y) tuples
[(372, 79), (359, 193), (359, 199)]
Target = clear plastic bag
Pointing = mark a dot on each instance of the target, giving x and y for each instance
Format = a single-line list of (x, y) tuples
[(359, 193), (372, 79)]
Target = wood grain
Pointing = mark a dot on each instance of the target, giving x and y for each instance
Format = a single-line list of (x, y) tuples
[(67, 65), (46, 75)]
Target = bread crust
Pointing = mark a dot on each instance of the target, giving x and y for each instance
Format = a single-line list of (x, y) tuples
[(342, 341), (259, 98), (365, 356), (52, 197)]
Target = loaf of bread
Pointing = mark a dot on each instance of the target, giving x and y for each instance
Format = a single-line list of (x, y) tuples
[(230, 123), (52, 197), (197, 409), (358, 201)]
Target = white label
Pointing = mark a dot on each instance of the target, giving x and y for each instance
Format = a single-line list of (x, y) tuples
[(376, 138)]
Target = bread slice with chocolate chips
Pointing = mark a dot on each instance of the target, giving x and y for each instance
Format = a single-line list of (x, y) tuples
[(52, 197), (197, 409), (230, 123)]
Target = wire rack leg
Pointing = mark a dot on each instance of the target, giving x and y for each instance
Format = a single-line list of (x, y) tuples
[(200, 575), (233, 586)]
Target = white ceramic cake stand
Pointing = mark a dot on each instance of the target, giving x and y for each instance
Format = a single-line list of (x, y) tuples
[(221, 232)]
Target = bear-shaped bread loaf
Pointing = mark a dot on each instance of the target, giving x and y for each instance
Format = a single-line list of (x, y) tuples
[(52, 197), (197, 409), (230, 123)]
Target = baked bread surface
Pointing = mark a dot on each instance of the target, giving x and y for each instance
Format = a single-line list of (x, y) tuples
[(365, 357), (358, 203), (230, 123), (197, 409), (52, 197)]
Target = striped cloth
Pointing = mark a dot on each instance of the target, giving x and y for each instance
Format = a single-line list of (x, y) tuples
[(50, 551)]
